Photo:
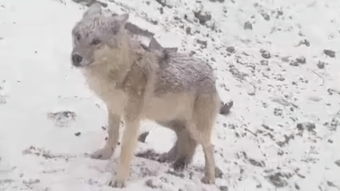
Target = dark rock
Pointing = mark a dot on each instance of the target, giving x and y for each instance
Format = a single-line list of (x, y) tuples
[(142, 137), (321, 65), (223, 188), (278, 112), (304, 42), (297, 186), (90, 2), (278, 180), (332, 91), (77, 134), (161, 10), (301, 60), (225, 108), (202, 17), (6, 181), (305, 126), (218, 173), (221, 1), (280, 78), (331, 184), (148, 154), (286, 141), (265, 16), (3, 99), (294, 63), (230, 49), (46, 154), (163, 3), (334, 123), (62, 118), (337, 162), (279, 13), (155, 22), (330, 53), (203, 43), (285, 59), (247, 26), (237, 73), (256, 163), (264, 62), (176, 173), (265, 54), (151, 184), (188, 30), (267, 127), (29, 183)]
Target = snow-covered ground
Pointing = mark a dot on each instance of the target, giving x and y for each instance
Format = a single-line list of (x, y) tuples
[(278, 61)]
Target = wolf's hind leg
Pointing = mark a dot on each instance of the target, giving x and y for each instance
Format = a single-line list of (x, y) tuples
[(184, 147), (205, 112)]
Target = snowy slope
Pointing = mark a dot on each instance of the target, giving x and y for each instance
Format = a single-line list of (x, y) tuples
[(270, 59)]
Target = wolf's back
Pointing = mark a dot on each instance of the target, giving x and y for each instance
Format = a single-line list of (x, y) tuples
[(181, 72)]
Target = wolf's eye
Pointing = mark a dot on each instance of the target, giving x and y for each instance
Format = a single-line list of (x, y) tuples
[(95, 41), (78, 37)]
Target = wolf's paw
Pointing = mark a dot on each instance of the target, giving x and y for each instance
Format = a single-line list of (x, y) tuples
[(166, 157), (102, 154), (169, 156), (180, 164), (117, 183), (208, 180)]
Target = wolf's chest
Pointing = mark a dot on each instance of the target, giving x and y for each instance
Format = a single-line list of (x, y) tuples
[(106, 89)]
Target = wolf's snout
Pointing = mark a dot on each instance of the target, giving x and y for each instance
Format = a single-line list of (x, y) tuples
[(76, 59)]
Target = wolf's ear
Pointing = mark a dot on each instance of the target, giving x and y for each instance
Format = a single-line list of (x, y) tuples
[(94, 9), (117, 22), (122, 18)]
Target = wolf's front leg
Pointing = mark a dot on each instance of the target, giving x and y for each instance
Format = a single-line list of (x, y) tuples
[(113, 131), (129, 143), (129, 140)]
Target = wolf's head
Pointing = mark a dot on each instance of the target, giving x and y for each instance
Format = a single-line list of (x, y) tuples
[(94, 32)]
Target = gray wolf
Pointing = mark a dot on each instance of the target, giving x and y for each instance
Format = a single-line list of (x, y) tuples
[(146, 82)]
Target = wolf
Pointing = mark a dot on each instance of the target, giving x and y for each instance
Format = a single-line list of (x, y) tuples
[(137, 82)]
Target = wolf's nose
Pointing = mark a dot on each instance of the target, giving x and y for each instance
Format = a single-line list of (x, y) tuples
[(76, 59)]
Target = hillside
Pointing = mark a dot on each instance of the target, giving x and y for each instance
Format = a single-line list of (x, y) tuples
[(277, 61)]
